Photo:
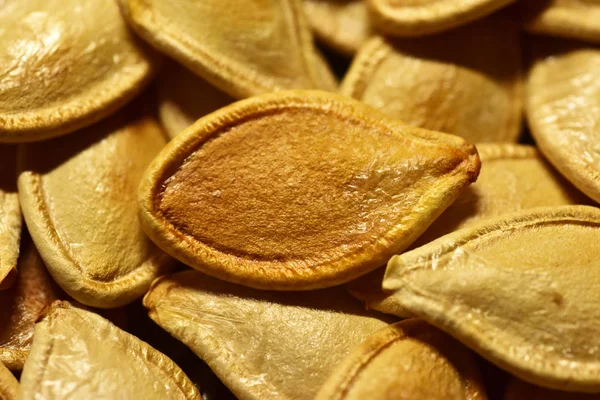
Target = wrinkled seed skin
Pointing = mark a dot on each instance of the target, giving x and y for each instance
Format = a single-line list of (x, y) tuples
[(330, 209), (528, 309), (262, 344), (79, 204), (78, 354), (65, 65)]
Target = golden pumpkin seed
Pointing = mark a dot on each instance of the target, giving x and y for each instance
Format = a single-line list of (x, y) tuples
[(80, 355), (563, 110), (513, 177), (343, 25), (184, 97), (65, 64), (9, 386), (409, 360), (10, 216), (262, 345), (517, 289), (424, 17), (519, 390), (22, 304), (79, 204), (568, 18), (299, 190), (241, 46), (442, 84)]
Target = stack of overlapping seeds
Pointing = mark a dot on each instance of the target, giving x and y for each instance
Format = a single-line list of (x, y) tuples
[(390, 241)]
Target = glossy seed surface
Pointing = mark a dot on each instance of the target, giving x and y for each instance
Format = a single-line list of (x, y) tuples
[(105, 361), (261, 344), (66, 64)]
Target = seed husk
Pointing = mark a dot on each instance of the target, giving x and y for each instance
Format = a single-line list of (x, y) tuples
[(467, 82), (262, 344), (66, 64), (79, 205), (563, 110), (9, 386), (566, 18), (78, 354), (426, 17), (266, 47), (516, 289), (409, 360)]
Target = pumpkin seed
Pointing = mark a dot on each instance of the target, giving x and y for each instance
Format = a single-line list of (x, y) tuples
[(563, 110), (516, 289), (9, 386), (65, 64), (10, 216), (79, 204), (183, 97), (568, 18), (22, 304), (424, 17), (261, 344), (406, 360), (242, 47), (466, 82), (80, 355), (299, 190), (343, 25)]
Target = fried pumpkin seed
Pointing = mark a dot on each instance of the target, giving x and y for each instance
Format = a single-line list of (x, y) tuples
[(466, 82), (261, 344), (9, 386), (22, 304), (519, 390), (513, 177), (299, 190), (103, 362), (183, 97), (10, 216), (517, 290), (425, 17), (409, 360), (242, 47), (79, 204), (65, 64), (567, 18), (343, 25), (563, 110)]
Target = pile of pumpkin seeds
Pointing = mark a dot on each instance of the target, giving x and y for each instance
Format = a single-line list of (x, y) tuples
[(299, 199)]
